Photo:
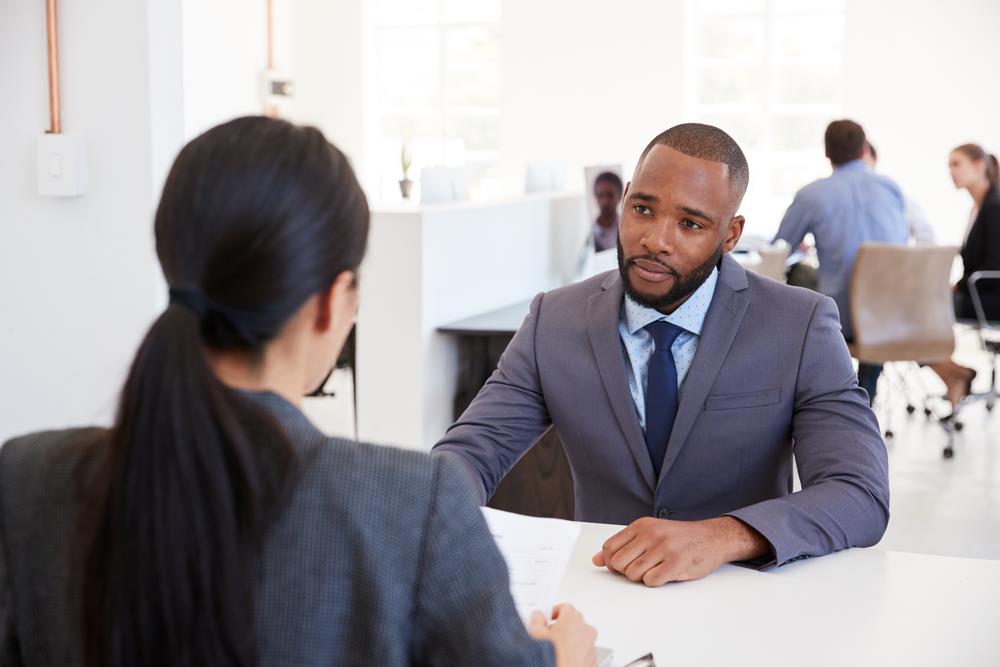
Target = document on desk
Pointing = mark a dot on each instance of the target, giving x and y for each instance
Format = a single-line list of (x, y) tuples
[(537, 552)]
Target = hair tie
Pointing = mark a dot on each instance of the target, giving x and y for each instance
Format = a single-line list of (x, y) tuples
[(219, 324), (191, 299)]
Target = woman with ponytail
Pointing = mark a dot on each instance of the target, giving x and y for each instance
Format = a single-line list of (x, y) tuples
[(976, 171), (213, 524)]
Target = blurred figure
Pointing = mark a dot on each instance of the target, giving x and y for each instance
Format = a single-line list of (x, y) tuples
[(852, 206), (214, 524), (608, 190), (976, 171), (921, 232)]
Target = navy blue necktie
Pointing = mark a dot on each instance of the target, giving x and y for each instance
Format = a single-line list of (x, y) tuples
[(661, 391)]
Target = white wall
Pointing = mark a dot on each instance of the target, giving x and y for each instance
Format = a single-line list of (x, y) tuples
[(587, 81), (79, 282), (78, 276), (326, 43), (922, 80), (225, 52)]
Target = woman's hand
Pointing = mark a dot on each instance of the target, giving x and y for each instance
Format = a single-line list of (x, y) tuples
[(569, 633)]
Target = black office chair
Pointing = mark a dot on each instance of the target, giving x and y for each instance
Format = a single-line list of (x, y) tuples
[(989, 338)]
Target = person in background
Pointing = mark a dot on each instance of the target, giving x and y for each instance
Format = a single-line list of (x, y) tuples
[(851, 206), (608, 194), (921, 232), (977, 172), (213, 524)]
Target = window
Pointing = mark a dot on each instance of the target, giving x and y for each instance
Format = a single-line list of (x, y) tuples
[(435, 77), (770, 73)]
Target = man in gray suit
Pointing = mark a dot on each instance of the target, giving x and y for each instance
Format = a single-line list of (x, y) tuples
[(681, 386)]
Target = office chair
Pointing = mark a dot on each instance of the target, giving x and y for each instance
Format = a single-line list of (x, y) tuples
[(902, 310), (770, 261), (987, 331)]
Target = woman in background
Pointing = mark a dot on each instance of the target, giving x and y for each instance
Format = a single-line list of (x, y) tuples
[(213, 524), (977, 172)]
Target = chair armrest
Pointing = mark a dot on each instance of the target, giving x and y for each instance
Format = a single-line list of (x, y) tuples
[(977, 302)]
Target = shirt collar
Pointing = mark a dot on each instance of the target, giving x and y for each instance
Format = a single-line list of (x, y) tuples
[(690, 316), (853, 165)]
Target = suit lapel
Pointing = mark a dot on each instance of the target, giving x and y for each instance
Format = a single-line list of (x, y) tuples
[(603, 314), (725, 315)]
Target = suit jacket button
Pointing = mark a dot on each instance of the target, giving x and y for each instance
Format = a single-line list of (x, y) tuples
[(663, 513)]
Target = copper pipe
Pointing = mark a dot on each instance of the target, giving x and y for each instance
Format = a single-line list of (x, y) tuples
[(270, 34), (270, 110), (51, 28)]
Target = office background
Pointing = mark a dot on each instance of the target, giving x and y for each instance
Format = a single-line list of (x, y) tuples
[(490, 86)]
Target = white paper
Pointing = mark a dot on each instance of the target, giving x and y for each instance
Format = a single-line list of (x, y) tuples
[(537, 552)]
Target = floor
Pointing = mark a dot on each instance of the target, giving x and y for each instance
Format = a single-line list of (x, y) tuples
[(944, 506), (939, 506)]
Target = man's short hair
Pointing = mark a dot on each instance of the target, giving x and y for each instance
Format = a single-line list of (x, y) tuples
[(706, 142), (845, 141), (609, 177)]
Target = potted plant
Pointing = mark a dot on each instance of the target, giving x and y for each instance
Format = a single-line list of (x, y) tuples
[(406, 161)]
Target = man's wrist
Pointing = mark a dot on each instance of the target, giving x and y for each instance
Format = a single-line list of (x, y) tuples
[(738, 541)]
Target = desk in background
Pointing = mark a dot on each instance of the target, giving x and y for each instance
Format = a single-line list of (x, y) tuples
[(857, 607), (430, 265), (540, 484)]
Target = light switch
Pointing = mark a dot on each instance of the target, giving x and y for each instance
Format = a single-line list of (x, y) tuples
[(62, 166)]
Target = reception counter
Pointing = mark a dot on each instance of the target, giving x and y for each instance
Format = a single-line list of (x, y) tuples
[(428, 266)]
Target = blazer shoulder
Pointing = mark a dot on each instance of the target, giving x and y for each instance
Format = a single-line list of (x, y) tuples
[(773, 295), (47, 464), (581, 290), (27, 454), (991, 208), (382, 479)]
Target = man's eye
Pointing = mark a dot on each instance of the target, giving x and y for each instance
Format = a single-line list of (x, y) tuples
[(641, 210), (690, 224)]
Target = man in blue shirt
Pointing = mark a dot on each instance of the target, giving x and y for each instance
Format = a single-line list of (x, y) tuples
[(852, 206)]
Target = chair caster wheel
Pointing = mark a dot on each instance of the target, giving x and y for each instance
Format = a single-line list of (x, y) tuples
[(990, 405), (948, 452), (889, 435), (910, 409), (959, 426), (927, 412)]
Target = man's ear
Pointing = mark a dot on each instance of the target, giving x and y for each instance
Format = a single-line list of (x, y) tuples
[(338, 291), (733, 233)]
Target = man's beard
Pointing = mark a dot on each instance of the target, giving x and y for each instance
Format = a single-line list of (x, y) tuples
[(684, 286)]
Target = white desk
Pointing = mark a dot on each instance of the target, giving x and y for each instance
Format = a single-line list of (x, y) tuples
[(858, 607)]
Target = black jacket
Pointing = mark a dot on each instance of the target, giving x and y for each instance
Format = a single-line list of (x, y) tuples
[(981, 252)]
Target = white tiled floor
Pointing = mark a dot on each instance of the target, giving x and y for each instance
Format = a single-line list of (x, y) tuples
[(946, 506)]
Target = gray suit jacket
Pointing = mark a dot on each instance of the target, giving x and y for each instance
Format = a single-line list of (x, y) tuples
[(771, 378), (380, 558)]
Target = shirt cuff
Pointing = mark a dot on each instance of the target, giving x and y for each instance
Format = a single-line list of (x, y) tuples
[(766, 520)]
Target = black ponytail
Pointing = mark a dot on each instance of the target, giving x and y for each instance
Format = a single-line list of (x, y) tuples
[(256, 216)]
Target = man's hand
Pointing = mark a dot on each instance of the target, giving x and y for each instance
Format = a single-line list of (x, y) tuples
[(655, 551)]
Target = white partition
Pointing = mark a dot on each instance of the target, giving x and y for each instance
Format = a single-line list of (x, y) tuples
[(431, 265)]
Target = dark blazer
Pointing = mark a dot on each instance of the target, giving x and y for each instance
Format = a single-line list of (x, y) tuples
[(771, 377), (380, 558), (981, 252)]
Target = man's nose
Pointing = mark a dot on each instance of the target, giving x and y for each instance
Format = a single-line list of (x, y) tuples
[(659, 238)]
